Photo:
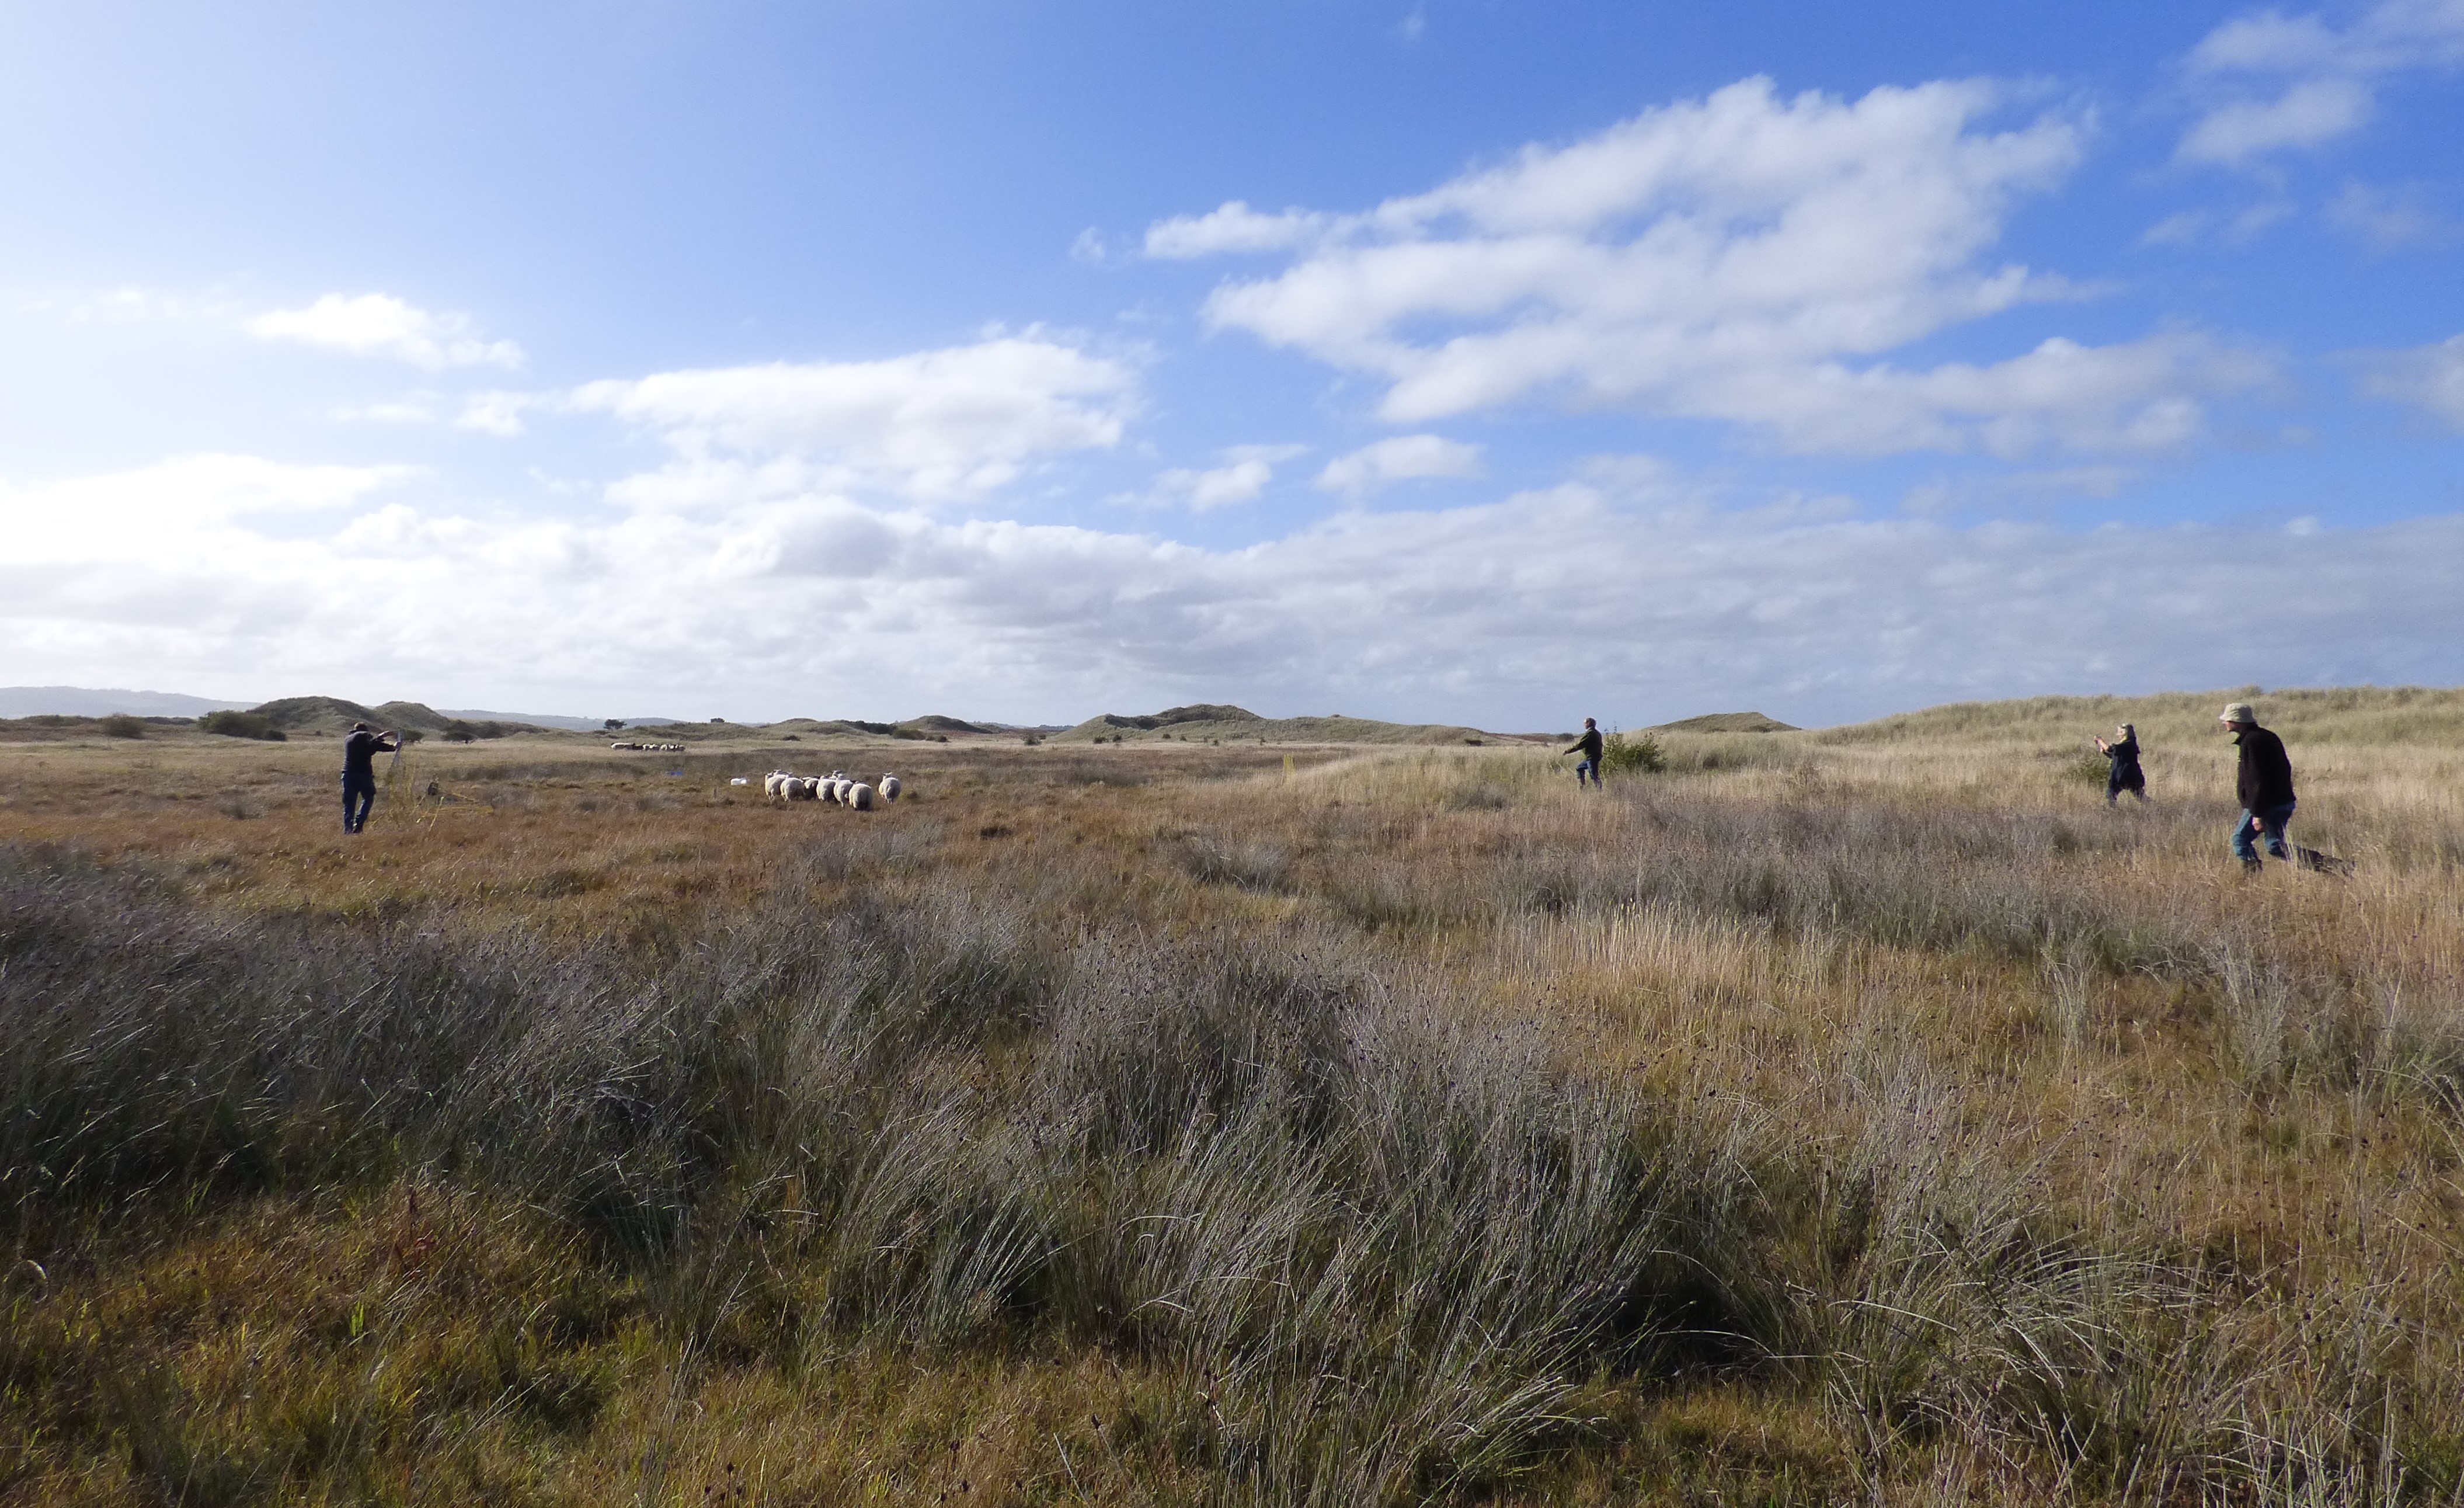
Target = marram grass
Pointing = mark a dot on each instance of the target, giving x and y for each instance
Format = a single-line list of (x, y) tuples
[(1821, 1119)]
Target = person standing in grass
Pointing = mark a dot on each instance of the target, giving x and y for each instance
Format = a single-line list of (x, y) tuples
[(359, 751), (2125, 773), (2264, 784), (1589, 746)]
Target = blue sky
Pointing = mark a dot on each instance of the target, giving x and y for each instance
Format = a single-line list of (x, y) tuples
[(1485, 362)]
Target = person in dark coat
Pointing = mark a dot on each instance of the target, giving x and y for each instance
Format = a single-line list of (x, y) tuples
[(1589, 746), (2125, 773), (2263, 783), (359, 751)]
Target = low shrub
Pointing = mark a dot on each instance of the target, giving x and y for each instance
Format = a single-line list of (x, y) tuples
[(120, 725), (242, 725), (1637, 754)]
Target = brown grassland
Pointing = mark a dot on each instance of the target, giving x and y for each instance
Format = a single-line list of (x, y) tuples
[(1865, 1114)]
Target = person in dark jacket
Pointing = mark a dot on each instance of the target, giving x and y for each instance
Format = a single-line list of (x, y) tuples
[(1589, 746), (359, 751), (2263, 783), (2125, 773)]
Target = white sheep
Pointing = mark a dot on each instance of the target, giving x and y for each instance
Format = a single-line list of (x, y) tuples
[(860, 797), (889, 787), (808, 789), (770, 782)]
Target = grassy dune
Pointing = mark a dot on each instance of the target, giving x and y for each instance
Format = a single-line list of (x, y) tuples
[(1857, 1115)]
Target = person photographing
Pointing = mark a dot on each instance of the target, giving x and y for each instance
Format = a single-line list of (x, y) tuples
[(2125, 773), (359, 751)]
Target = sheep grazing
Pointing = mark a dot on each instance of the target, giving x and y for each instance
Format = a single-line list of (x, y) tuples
[(889, 787), (802, 790)]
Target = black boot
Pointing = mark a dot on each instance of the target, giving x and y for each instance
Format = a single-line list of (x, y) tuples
[(2252, 864)]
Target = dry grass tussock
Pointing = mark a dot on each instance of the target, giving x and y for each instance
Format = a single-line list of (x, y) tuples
[(1828, 1117)]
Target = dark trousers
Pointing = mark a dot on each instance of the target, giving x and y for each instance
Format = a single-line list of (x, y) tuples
[(2113, 789), (359, 795), (1587, 769)]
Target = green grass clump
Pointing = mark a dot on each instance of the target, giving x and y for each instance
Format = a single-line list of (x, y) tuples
[(1632, 754)]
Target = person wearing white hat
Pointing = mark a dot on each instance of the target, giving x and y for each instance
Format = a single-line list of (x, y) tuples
[(2125, 773), (2263, 783)]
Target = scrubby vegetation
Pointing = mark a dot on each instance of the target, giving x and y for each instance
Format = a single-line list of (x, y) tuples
[(242, 725), (1818, 1120)]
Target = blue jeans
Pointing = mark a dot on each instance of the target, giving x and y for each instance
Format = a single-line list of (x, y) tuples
[(1586, 769), (364, 792), (2270, 822)]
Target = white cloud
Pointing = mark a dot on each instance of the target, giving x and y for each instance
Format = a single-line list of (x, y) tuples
[(1403, 458), (498, 414), (1743, 258), (2023, 489), (2388, 217), (407, 411), (935, 425), (131, 305), (1512, 614), (1244, 473), (2425, 377), (1232, 228), (381, 324), (2275, 81), (2306, 114)]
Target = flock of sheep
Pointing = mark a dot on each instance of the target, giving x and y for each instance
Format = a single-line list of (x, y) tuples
[(835, 787), (654, 748)]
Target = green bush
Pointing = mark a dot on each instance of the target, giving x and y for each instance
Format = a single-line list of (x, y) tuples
[(1640, 754), (241, 725), (120, 725)]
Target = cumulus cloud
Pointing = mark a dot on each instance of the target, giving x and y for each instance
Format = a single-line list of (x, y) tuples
[(934, 425), (1510, 614), (1244, 473), (1404, 457), (2425, 377), (174, 497), (1743, 258), (2274, 83), (381, 324)]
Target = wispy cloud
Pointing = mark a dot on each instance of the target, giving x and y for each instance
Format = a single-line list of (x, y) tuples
[(2390, 217), (2430, 378), (1244, 472), (1405, 457), (949, 424), (2276, 82), (381, 324)]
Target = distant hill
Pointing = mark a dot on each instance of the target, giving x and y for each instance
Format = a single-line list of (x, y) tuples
[(328, 714), (2329, 715), (1197, 724), (82, 702), (1727, 722), (552, 720)]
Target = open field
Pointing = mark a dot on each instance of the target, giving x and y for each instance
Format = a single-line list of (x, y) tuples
[(1864, 1114)]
